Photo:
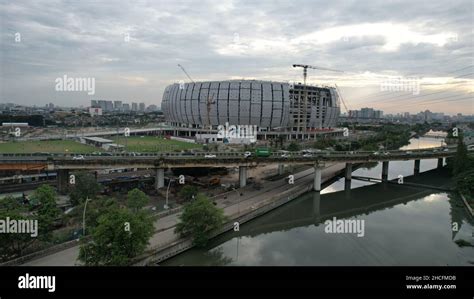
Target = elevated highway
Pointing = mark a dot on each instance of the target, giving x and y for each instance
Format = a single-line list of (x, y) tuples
[(63, 163)]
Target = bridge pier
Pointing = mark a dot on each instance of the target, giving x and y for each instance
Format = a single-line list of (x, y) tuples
[(281, 169), (348, 176), (243, 176), (317, 178), (63, 181), (384, 171), (160, 178), (440, 162), (417, 167)]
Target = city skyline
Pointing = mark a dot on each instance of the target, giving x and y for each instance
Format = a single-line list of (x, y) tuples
[(133, 51)]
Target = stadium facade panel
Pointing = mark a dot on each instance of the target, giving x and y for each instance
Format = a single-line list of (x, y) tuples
[(265, 104), (261, 103)]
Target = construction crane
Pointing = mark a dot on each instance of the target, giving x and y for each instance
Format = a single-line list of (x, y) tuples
[(305, 75), (347, 110), (342, 100), (210, 101), (186, 73)]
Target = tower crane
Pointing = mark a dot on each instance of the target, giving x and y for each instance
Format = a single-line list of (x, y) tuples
[(342, 99), (184, 71), (347, 110), (209, 101), (305, 75)]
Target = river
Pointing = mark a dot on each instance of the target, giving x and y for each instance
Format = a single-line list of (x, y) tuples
[(403, 226)]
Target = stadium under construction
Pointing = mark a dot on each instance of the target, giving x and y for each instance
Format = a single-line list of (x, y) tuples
[(294, 111)]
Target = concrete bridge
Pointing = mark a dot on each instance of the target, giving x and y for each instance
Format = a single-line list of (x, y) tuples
[(343, 204), (63, 163)]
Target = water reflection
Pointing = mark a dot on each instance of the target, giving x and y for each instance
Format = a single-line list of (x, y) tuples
[(403, 226)]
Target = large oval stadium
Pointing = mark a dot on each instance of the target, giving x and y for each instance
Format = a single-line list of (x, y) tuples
[(266, 104)]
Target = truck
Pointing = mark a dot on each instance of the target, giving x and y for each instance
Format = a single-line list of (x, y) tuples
[(263, 152)]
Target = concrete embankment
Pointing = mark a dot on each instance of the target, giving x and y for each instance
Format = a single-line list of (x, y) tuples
[(158, 254), (468, 206)]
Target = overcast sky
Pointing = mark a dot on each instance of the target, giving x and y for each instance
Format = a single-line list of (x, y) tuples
[(132, 48)]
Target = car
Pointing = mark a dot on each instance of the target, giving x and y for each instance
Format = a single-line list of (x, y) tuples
[(209, 156), (376, 153), (307, 155), (409, 152), (285, 155), (446, 150), (78, 157), (247, 154)]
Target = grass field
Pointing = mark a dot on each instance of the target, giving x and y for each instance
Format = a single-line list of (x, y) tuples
[(153, 144), (46, 146)]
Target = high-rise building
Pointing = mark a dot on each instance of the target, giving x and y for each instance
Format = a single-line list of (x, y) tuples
[(109, 106), (102, 104), (134, 107), (366, 113), (141, 107), (118, 106), (126, 107), (94, 103)]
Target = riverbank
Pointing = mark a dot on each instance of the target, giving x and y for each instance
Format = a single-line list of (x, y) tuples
[(468, 206), (279, 196), (233, 204)]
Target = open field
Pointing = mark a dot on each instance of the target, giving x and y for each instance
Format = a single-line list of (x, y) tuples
[(153, 144), (46, 146)]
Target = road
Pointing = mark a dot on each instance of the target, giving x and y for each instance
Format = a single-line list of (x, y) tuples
[(232, 203)]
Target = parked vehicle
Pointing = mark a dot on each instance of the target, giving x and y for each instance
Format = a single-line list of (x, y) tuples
[(247, 154), (263, 152), (78, 157), (209, 156)]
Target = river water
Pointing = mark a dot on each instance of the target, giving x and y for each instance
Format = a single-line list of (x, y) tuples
[(403, 225)]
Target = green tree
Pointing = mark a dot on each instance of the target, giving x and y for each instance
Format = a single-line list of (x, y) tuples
[(460, 161), (293, 147), (48, 211), (86, 186), (119, 236), (187, 192), (199, 218), (13, 245), (137, 199), (95, 208)]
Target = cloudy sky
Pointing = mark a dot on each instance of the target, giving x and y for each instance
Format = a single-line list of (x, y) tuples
[(132, 49)]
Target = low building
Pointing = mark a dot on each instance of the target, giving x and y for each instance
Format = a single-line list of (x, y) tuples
[(95, 111)]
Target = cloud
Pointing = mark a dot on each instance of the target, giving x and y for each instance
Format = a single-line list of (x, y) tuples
[(133, 48)]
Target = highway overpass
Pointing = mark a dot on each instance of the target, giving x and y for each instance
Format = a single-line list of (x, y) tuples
[(63, 163)]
